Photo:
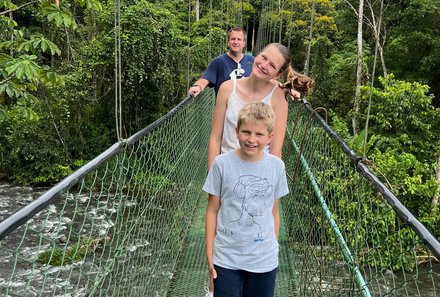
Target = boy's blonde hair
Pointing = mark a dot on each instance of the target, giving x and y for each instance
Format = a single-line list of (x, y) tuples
[(257, 111)]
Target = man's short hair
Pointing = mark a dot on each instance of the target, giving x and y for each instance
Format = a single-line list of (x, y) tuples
[(236, 29), (257, 111)]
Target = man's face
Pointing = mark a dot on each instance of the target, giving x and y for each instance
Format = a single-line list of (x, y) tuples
[(236, 42)]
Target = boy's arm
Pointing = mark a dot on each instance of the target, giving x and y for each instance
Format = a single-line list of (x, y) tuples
[(210, 230), (276, 217)]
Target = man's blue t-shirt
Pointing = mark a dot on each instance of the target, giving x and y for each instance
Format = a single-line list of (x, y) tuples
[(221, 68)]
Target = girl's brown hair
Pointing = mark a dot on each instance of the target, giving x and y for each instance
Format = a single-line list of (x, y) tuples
[(290, 78)]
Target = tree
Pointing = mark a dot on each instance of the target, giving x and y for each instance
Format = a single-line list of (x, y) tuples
[(413, 50), (25, 56), (359, 67), (407, 130)]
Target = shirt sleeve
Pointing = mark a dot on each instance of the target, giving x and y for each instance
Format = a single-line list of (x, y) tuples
[(213, 180), (211, 73), (281, 188)]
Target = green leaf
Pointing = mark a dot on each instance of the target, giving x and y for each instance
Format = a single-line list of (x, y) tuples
[(12, 68), (44, 45), (20, 71), (52, 16), (24, 68), (10, 92), (54, 49), (58, 20)]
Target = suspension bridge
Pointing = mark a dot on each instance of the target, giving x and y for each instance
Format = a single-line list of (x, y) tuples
[(130, 222)]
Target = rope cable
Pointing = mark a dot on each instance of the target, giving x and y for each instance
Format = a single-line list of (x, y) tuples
[(189, 47), (281, 21), (309, 45), (266, 28), (262, 28), (118, 85), (241, 14), (225, 13), (370, 96), (291, 19), (209, 55), (273, 28)]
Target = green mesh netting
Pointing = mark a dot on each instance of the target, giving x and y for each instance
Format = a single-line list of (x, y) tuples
[(346, 238), (130, 223), (120, 231)]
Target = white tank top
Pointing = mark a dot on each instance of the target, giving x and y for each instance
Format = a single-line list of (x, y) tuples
[(234, 105)]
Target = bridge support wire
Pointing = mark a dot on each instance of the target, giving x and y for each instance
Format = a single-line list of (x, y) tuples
[(359, 279)]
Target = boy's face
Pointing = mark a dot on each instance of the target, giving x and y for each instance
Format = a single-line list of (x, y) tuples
[(253, 136)]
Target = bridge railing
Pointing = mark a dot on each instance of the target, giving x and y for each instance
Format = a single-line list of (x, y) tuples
[(117, 225), (348, 234)]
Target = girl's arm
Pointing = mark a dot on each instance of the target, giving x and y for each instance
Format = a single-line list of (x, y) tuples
[(218, 121), (210, 230), (276, 217), (280, 106)]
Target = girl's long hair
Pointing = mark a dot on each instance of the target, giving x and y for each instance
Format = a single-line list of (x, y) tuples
[(290, 79)]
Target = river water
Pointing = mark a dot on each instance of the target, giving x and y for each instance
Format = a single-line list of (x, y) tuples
[(28, 277), (13, 198)]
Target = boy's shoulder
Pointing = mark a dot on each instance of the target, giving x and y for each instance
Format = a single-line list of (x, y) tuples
[(225, 157), (274, 163), (274, 159), (232, 157)]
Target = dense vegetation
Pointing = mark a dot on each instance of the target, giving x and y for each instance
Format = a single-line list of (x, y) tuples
[(57, 79)]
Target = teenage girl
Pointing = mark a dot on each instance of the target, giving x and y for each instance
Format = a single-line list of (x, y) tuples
[(271, 64)]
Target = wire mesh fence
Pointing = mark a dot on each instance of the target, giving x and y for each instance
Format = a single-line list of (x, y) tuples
[(346, 237), (117, 230), (119, 225)]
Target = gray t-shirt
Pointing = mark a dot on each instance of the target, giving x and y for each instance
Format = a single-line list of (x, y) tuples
[(245, 236)]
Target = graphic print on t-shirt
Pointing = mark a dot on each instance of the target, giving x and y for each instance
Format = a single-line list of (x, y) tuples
[(237, 73), (254, 193)]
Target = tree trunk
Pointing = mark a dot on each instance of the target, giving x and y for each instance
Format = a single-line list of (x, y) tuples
[(197, 9), (358, 70), (376, 27), (253, 36), (434, 200), (11, 51), (280, 9), (309, 45), (382, 59)]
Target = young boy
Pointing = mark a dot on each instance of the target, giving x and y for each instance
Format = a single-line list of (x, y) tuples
[(242, 219)]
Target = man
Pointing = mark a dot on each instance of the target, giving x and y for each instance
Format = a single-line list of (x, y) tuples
[(233, 63)]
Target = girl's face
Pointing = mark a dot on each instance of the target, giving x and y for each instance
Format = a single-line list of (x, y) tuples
[(268, 63)]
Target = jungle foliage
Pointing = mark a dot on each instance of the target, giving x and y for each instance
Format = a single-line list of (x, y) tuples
[(57, 79)]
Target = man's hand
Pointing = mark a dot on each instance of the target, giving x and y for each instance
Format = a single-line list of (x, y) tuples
[(195, 90), (198, 87)]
